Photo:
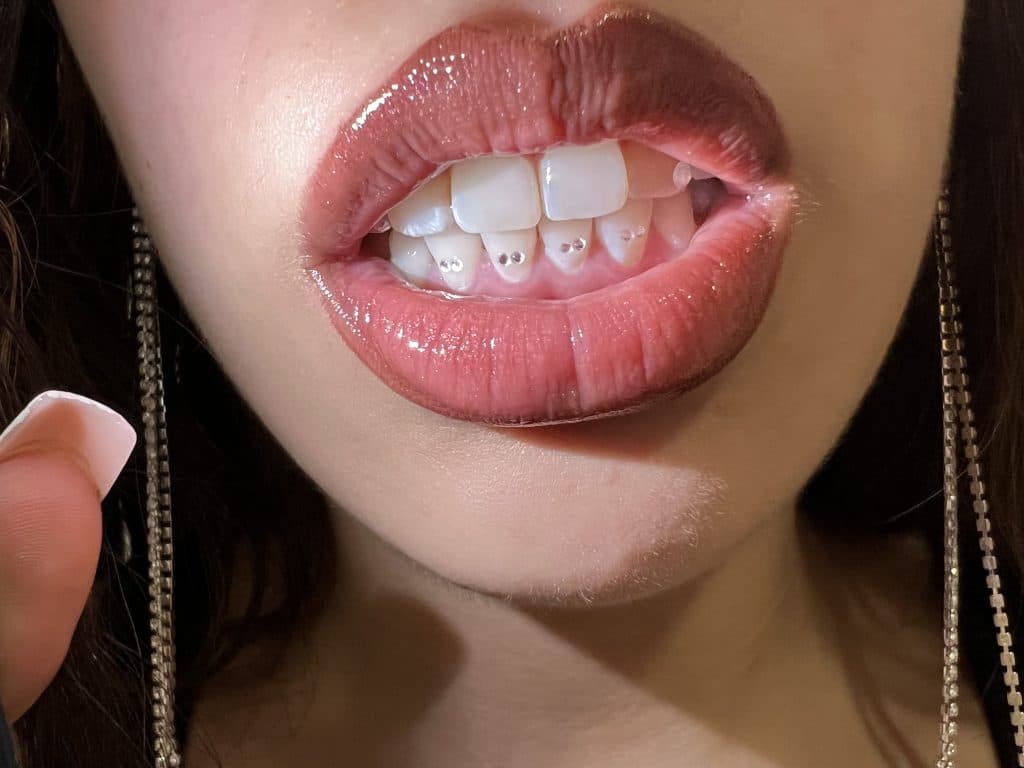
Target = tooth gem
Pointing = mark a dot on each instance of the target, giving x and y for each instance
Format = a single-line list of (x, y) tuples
[(455, 265), (516, 257), (633, 234), (576, 245), (624, 233)]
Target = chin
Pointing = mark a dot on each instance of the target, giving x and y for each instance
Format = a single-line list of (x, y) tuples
[(608, 536)]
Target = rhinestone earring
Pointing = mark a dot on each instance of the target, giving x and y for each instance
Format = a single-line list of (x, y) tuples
[(960, 436), (159, 545)]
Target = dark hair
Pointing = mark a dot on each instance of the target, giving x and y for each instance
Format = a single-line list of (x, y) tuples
[(63, 276), (63, 324)]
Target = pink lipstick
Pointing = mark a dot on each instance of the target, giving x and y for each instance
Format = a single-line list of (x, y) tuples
[(621, 245)]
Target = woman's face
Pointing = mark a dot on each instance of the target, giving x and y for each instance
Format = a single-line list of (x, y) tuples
[(259, 141)]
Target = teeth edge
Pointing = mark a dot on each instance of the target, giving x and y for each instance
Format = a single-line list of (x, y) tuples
[(439, 227)]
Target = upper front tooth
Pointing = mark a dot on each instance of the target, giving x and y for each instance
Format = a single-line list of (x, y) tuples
[(673, 218), (624, 233), (427, 211), (457, 256), (650, 172), (411, 256), (583, 182), (495, 194), (566, 243), (511, 253)]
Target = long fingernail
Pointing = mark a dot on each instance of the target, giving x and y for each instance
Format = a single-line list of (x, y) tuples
[(63, 420)]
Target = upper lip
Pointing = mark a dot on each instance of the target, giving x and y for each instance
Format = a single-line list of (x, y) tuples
[(622, 73), (473, 90)]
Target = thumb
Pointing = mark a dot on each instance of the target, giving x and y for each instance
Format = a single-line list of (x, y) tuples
[(58, 458)]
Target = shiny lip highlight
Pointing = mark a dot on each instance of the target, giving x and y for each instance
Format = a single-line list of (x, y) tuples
[(473, 90)]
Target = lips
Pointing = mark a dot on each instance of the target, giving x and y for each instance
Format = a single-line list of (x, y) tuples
[(623, 74)]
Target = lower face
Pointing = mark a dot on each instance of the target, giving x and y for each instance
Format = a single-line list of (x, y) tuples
[(543, 324)]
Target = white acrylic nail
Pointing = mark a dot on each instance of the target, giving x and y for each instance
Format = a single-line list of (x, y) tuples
[(101, 437)]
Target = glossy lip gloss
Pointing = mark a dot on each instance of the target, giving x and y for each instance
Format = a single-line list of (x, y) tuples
[(470, 91)]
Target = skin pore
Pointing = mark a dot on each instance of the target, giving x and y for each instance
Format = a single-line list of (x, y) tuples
[(742, 652)]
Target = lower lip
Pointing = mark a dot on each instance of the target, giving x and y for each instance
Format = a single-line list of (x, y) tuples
[(521, 362)]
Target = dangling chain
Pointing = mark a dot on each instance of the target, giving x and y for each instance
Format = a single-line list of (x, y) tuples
[(959, 415), (158, 498)]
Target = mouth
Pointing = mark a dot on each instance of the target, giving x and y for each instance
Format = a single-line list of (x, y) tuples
[(525, 229)]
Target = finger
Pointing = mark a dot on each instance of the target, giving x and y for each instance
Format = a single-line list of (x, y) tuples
[(56, 461)]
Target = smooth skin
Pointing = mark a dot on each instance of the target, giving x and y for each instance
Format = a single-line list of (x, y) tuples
[(734, 658), (50, 532)]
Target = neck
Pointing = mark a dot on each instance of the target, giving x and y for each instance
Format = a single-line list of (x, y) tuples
[(759, 662), (742, 666)]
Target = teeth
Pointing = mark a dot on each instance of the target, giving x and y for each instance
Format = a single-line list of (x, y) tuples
[(411, 256), (566, 243), (495, 194), (682, 175), (673, 218), (614, 192), (650, 172), (624, 233), (427, 211), (458, 256), (511, 253), (583, 182)]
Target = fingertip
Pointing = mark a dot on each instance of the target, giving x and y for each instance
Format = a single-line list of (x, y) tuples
[(50, 538), (101, 437)]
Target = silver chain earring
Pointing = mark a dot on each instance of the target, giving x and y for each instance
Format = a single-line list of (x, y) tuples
[(959, 433), (159, 543)]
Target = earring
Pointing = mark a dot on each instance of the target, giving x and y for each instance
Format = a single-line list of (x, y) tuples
[(159, 542), (958, 430)]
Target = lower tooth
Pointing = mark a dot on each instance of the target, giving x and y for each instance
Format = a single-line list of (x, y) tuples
[(410, 256), (511, 253), (624, 233), (673, 218), (567, 243), (457, 256)]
